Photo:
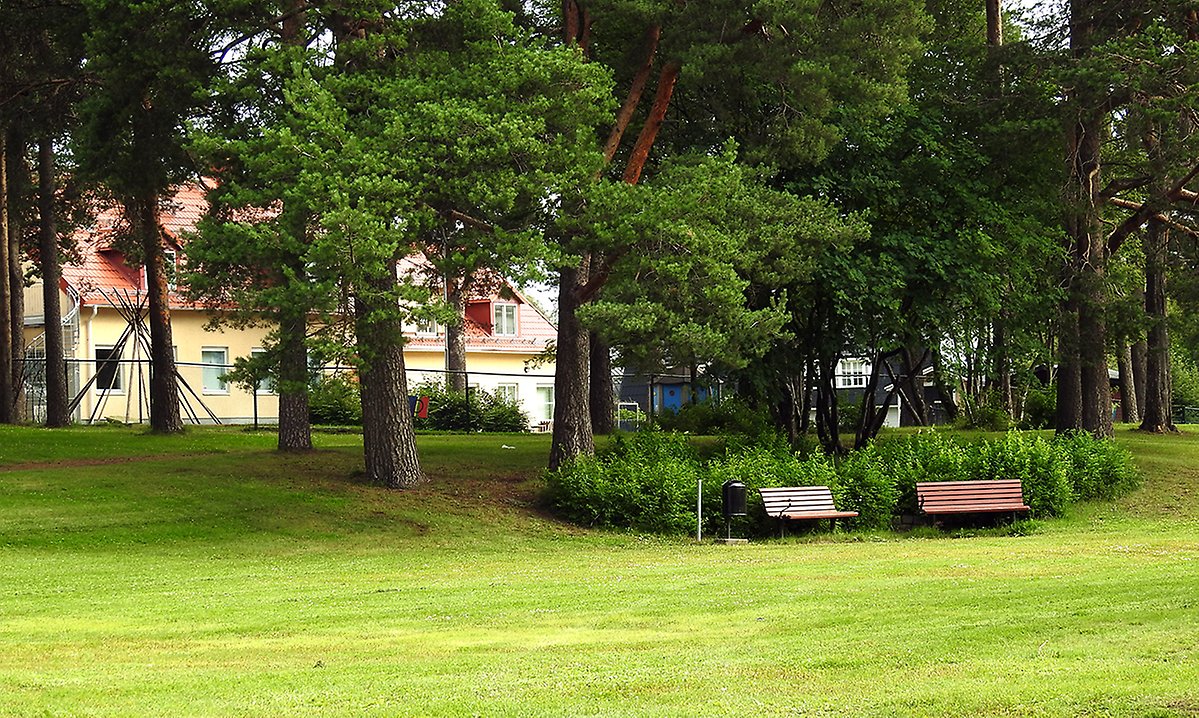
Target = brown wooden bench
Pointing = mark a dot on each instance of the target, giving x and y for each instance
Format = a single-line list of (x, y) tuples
[(798, 503), (940, 498)]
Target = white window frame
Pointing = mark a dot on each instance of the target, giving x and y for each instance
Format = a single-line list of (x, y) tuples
[(499, 322), (854, 374), (266, 385), (222, 367), (118, 376), (546, 405), (508, 392), (427, 328)]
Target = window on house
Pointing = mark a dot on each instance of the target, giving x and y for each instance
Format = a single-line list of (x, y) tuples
[(266, 385), (853, 373), (507, 392), (427, 328), (215, 360), (170, 261), (504, 320), (545, 402), (108, 369)]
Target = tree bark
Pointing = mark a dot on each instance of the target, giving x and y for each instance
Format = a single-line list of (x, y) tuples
[(8, 322), (657, 114), (1002, 381), (455, 340), (1129, 413), (1139, 350), (57, 401), (1158, 417), (295, 425), (602, 400), (572, 414), (633, 98), (16, 280), (828, 420), (1089, 245), (914, 380), (388, 435), (1068, 416), (994, 23), (165, 416)]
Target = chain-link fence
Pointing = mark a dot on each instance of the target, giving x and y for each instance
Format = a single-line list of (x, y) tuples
[(117, 390)]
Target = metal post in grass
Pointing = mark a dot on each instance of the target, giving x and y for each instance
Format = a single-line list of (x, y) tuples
[(699, 509)]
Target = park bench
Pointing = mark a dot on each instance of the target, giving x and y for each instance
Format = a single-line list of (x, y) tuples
[(799, 503), (941, 498)]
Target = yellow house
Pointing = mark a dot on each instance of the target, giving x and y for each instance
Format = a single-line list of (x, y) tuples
[(107, 354)]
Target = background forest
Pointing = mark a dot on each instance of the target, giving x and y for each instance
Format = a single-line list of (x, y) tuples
[(749, 191)]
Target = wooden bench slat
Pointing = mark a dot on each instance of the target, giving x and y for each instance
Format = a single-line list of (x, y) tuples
[(801, 502), (967, 497)]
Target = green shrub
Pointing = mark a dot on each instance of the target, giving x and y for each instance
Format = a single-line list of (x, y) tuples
[(646, 481), (477, 410), (1097, 468), (334, 399), (867, 486), (927, 456), (1035, 462), (1040, 406), (716, 416), (758, 468)]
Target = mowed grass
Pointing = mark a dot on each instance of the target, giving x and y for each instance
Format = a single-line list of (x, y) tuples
[(205, 575)]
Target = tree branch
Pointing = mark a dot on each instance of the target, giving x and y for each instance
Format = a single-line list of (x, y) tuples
[(652, 35)]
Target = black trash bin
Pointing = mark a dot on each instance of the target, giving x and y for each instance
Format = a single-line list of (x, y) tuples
[(733, 493)]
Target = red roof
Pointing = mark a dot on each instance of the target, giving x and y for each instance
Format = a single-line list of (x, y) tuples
[(102, 271)]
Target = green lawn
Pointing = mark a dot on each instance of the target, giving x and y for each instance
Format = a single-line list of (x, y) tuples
[(205, 575)]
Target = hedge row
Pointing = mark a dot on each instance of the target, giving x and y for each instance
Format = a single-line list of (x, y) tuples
[(647, 481)]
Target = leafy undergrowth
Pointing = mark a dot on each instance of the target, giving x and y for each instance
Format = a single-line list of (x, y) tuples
[(206, 576)]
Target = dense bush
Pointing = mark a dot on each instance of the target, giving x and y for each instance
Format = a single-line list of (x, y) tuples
[(1040, 406), (334, 400), (713, 416), (1097, 469), (1038, 463), (868, 487), (647, 481), (476, 410)]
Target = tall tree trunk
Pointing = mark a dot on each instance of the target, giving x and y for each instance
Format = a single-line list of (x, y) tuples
[(8, 322), (1157, 416), (295, 425), (1084, 350), (994, 23), (165, 417), (657, 114), (1068, 416), (57, 401), (455, 339), (914, 381), (15, 164), (1129, 412), (388, 435), (828, 420), (1002, 380), (1139, 350), (572, 414), (602, 400)]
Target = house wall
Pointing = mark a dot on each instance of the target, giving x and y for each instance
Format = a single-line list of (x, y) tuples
[(103, 326), (487, 371)]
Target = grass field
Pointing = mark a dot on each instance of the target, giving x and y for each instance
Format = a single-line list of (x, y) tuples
[(204, 575)]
